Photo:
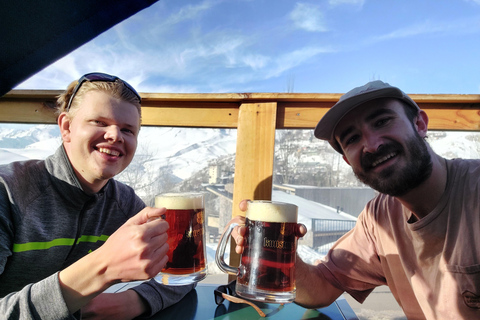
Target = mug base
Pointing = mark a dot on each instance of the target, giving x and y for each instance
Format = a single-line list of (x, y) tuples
[(180, 279), (265, 296)]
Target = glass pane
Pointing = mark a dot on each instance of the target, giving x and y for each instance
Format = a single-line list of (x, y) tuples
[(309, 173), (27, 141), (167, 160)]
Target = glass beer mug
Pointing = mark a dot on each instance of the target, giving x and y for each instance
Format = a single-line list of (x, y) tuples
[(267, 267), (186, 238)]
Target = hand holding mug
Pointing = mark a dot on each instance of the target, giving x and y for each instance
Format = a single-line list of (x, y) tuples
[(267, 239), (239, 231)]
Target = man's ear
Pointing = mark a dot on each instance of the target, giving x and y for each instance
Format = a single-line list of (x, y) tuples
[(421, 123), (64, 122)]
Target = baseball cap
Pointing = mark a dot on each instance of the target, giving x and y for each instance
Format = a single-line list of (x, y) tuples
[(352, 99)]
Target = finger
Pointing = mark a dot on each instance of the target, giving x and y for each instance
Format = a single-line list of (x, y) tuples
[(240, 241), (161, 257), (155, 228), (239, 249), (238, 231), (162, 248), (244, 204), (163, 262), (146, 215), (301, 230), (160, 239), (242, 231)]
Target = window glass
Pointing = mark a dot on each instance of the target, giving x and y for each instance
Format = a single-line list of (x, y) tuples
[(167, 160), (309, 173)]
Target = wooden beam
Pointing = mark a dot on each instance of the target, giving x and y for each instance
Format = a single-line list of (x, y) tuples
[(443, 115), (191, 114), (220, 110), (255, 153), (27, 111), (254, 158)]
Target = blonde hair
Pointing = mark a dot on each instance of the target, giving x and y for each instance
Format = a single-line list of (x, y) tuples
[(117, 89)]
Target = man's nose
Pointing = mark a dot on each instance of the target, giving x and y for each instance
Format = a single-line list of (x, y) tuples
[(371, 143), (113, 133)]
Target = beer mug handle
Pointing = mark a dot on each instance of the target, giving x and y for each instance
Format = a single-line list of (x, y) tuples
[(219, 255)]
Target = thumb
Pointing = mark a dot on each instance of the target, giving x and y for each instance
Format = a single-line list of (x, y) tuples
[(147, 214), (301, 230)]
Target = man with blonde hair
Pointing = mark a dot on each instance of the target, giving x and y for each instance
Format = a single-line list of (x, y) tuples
[(68, 230)]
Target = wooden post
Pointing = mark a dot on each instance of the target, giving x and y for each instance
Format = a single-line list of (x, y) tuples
[(254, 157)]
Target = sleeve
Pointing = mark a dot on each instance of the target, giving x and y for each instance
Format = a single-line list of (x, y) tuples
[(159, 296), (353, 264), (6, 227), (42, 300)]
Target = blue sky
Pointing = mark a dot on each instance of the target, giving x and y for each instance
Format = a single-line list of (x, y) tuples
[(326, 46)]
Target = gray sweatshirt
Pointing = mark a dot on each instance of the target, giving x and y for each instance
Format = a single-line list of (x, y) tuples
[(47, 222)]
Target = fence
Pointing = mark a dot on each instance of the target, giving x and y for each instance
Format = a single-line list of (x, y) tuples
[(327, 231)]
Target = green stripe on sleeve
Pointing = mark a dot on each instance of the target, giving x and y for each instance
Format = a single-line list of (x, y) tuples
[(22, 247)]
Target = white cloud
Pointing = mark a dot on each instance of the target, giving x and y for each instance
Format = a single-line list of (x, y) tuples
[(453, 27), (189, 12), (308, 17), (256, 61), (292, 59)]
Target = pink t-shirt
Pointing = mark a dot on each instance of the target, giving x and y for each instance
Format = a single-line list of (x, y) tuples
[(432, 266)]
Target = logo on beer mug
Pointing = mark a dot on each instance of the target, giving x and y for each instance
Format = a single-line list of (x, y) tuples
[(186, 238), (267, 266)]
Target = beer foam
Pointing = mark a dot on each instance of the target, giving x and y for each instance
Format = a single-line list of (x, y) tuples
[(179, 201), (272, 211)]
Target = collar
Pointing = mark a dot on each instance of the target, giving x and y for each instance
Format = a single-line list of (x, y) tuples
[(64, 178)]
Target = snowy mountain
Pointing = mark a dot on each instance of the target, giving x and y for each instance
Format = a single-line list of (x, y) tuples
[(22, 142), (183, 151)]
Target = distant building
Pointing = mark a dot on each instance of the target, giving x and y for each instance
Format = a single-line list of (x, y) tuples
[(214, 173), (351, 200)]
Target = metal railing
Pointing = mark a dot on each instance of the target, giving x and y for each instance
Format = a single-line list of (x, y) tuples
[(327, 231)]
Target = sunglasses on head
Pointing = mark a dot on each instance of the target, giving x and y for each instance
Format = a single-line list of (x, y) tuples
[(227, 292), (98, 76)]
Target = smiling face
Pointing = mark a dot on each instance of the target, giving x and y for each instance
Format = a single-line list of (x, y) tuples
[(384, 148), (100, 139)]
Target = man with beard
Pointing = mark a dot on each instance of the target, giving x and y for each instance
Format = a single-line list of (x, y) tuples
[(420, 234)]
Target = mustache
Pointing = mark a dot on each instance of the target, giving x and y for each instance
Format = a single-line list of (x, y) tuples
[(368, 159)]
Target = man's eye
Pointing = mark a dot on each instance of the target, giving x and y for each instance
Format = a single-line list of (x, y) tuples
[(382, 122), (350, 140)]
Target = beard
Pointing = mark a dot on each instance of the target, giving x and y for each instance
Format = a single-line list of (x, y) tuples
[(396, 181)]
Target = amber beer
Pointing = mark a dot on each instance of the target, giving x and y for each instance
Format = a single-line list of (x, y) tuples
[(267, 266), (268, 259), (186, 238)]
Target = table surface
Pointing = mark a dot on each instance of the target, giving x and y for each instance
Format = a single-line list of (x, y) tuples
[(200, 304)]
